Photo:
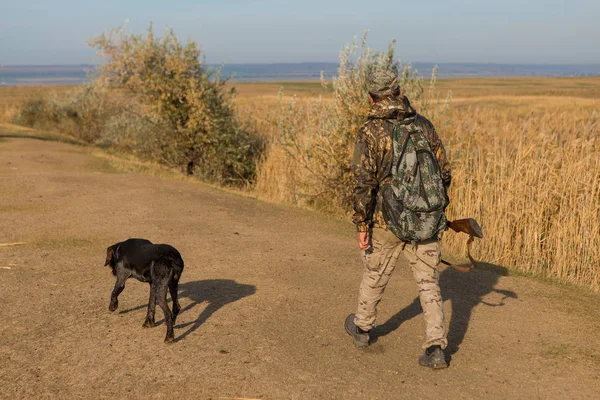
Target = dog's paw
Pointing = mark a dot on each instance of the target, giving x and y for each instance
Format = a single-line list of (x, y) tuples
[(113, 306), (169, 340), (149, 324)]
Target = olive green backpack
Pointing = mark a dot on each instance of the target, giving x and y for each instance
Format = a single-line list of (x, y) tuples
[(415, 199)]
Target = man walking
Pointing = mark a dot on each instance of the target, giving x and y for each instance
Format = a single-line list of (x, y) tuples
[(402, 175)]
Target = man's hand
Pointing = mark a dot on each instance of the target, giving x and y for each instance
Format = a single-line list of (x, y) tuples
[(363, 240)]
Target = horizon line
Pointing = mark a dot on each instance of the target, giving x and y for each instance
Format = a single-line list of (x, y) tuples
[(325, 62)]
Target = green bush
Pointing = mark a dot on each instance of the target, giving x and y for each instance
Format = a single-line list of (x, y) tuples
[(196, 125), (154, 98), (38, 112), (81, 113), (319, 138)]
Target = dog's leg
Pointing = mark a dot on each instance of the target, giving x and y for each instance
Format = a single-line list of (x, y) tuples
[(161, 298), (119, 286), (149, 323), (173, 289)]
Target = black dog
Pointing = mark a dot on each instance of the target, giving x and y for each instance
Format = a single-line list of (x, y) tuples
[(160, 265)]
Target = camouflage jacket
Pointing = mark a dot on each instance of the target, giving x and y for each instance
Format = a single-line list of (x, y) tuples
[(373, 157)]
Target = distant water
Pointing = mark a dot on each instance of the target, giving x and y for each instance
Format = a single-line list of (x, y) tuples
[(75, 74), (312, 71), (25, 75)]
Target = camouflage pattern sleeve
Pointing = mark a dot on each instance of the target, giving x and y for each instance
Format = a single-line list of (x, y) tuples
[(364, 167), (440, 153)]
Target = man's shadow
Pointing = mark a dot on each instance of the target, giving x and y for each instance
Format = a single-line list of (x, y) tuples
[(465, 291), (216, 292)]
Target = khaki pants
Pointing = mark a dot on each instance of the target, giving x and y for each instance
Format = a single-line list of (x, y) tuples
[(423, 259)]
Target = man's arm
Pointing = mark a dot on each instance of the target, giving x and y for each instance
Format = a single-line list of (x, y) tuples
[(364, 167)]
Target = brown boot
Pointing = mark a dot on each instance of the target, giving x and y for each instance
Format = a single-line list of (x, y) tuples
[(433, 358), (360, 337)]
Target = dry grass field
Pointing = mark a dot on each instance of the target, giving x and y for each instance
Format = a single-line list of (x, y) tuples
[(266, 287), (462, 88), (264, 292), (12, 96), (526, 163)]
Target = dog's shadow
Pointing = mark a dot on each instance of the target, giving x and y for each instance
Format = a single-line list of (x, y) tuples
[(465, 291), (215, 292)]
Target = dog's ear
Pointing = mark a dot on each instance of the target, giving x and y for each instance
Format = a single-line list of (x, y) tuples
[(110, 253)]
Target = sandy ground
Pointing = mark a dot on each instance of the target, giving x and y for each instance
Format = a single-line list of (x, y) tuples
[(264, 293)]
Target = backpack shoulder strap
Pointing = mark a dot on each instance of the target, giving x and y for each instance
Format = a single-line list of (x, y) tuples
[(400, 139)]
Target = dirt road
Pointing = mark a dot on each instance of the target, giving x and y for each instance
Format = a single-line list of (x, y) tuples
[(264, 293)]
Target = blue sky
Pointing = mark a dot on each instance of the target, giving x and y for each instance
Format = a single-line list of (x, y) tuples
[(266, 31)]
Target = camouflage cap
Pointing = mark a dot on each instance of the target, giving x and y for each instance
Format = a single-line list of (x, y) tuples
[(383, 83)]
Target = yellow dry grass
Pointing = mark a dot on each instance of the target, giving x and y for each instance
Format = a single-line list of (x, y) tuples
[(525, 155), (473, 87), (529, 170), (11, 97)]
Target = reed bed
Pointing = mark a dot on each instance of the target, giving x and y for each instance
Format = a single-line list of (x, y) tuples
[(527, 168), (531, 175), (12, 98)]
